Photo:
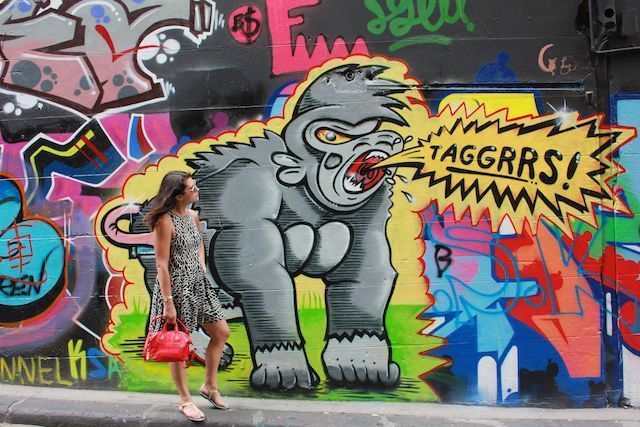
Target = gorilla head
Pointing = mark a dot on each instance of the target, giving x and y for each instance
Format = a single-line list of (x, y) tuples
[(335, 138)]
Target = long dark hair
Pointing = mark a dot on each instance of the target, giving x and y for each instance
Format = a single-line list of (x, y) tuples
[(173, 184)]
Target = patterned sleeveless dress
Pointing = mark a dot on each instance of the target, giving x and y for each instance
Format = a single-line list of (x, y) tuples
[(194, 297)]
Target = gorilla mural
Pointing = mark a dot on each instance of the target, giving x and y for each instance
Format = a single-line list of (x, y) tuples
[(308, 202), (297, 195)]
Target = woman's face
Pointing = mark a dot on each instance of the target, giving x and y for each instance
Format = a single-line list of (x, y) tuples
[(191, 192)]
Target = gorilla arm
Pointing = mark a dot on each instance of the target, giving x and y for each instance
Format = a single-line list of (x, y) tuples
[(358, 292), (249, 258)]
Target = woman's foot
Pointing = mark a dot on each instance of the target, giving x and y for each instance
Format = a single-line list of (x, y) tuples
[(191, 411), (213, 396)]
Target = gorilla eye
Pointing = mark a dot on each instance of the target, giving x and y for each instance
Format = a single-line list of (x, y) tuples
[(329, 136), (349, 75)]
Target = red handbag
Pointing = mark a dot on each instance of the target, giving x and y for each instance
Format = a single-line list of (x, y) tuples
[(168, 345)]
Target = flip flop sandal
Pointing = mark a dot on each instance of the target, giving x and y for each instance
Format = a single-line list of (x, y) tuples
[(194, 419), (209, 397)]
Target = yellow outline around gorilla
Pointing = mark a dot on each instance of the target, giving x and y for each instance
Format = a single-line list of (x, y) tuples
[(484, 127), (403, 228)]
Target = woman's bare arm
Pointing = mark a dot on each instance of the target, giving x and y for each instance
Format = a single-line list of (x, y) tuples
[(196, 219), (162, 243)]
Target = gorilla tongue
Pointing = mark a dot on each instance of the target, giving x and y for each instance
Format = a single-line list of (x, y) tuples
[(360, 177)]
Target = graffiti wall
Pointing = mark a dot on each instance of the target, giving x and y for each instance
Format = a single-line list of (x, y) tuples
[(402, 201)]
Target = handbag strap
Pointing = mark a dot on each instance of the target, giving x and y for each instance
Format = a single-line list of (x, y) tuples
[(166, 324), (192, 355)]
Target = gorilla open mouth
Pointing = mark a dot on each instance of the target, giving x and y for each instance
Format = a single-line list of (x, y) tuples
[(360, 177)]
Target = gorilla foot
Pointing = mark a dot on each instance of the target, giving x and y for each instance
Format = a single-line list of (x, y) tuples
[(283, 368), (359, 361)]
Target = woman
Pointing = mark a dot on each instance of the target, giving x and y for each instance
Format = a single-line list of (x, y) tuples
[(182, 290)]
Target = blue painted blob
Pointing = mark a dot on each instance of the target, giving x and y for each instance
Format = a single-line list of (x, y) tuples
[(183, 140), (628, 115), (25, 6), (106, 19), (43, 251), (10, 203), (497, 72), (97, 11)]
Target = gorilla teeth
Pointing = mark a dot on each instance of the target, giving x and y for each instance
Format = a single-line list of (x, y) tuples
[(377, 154), (350, 184)]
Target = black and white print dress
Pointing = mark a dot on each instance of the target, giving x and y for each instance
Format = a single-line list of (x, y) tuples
[(194, 297)]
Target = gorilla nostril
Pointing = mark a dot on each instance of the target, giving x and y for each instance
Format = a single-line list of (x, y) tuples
[(349, 75), (333, 161)]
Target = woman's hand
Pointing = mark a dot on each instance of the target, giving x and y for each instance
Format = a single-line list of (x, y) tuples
[(170, 312)]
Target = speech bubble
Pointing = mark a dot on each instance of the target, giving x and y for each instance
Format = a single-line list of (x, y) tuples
[(555, 166)]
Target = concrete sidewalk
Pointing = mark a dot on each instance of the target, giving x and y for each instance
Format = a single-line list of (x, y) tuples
[(72, 407)]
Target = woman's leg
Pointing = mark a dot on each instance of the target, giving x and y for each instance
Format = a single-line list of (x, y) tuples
[(178, 373), (180, 379), (218, 332)]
